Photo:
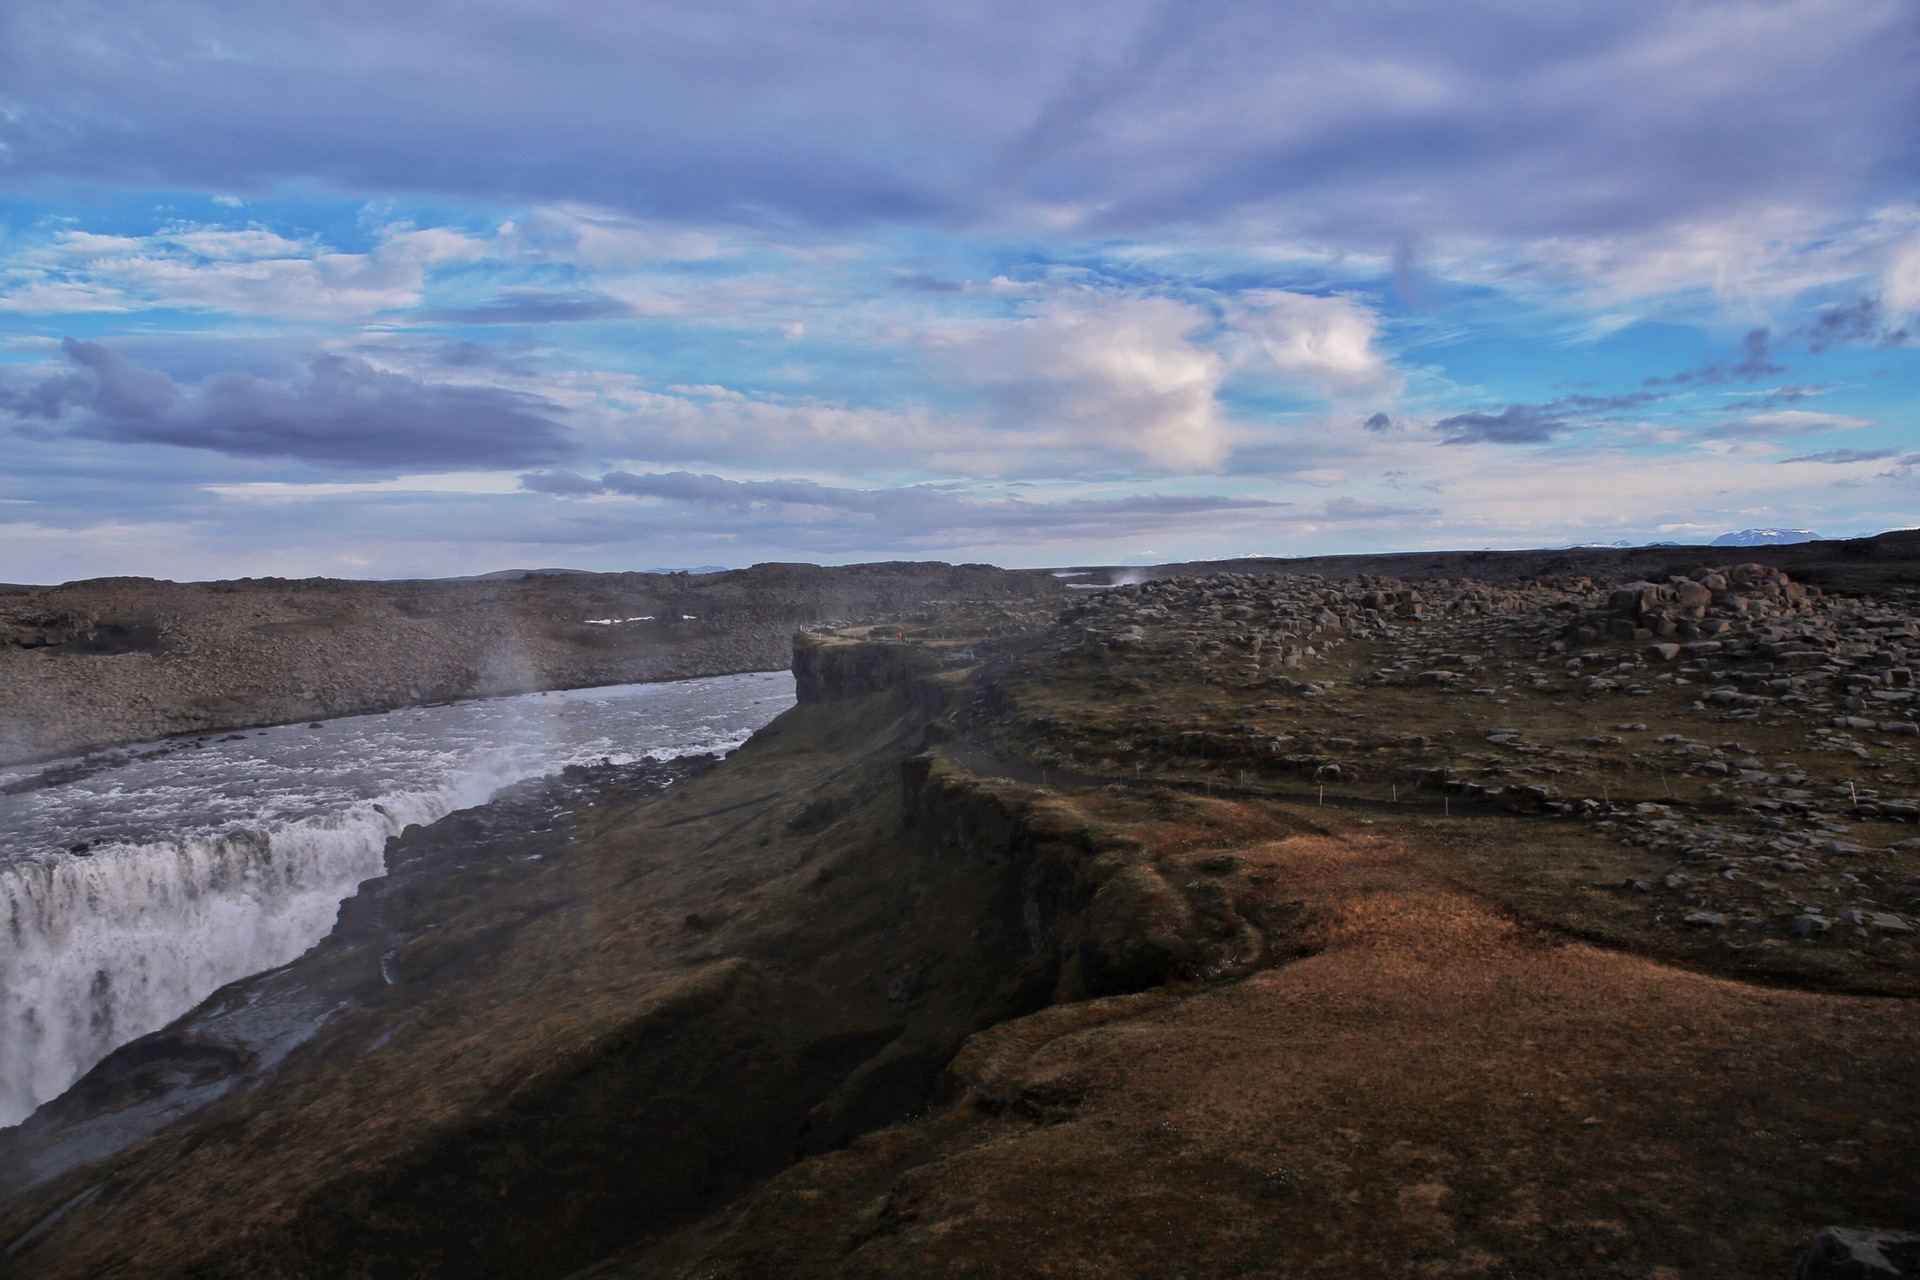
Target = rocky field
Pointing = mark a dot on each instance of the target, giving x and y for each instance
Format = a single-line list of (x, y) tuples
[(1738, 748)]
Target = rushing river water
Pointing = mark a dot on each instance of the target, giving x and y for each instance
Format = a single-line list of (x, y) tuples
[(136, 882)]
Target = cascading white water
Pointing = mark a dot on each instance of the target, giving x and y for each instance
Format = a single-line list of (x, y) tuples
[(131, 893)]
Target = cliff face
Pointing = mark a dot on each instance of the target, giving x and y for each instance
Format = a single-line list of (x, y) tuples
[(612, 1018), (126, 659), (536, 1040), (827, 669)]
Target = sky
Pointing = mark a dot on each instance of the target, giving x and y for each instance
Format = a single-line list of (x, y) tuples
[(438, 287)]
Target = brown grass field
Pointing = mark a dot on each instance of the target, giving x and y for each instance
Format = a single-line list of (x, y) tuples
[(1440, 1089)]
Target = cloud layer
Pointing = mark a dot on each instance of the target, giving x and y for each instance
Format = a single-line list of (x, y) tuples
[(1383, 118), (591, 281), (1110, 373), (341, 412)]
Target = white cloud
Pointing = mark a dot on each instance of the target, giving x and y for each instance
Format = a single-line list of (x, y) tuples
[(1902, 284), (1326, 341), (1785, 422), (275, 491), (624, 421), (32, 293), (246, 271), (218, 244), (602, 239), (1102, 372), (1748, 266)]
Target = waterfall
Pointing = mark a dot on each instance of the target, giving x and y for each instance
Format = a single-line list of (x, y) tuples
[(105, 948), (136, 883)]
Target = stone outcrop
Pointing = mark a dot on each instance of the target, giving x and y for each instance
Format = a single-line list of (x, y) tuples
[(1702, 603), (827, 669)]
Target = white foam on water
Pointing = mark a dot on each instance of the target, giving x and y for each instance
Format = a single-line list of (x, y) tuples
[(209, 860)]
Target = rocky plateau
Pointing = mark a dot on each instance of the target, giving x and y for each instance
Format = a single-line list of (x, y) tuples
[(1494, 914)]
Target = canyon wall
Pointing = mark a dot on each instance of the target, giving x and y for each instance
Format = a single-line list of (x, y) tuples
[(114, 660)]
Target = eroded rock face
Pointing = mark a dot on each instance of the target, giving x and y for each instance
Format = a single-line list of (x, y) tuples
[(826, 669)]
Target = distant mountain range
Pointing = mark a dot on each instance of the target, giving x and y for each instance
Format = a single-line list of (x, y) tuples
[(1766, 538), (1744, 538)]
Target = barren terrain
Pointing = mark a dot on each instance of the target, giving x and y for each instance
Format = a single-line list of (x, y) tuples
[(1252, 921)]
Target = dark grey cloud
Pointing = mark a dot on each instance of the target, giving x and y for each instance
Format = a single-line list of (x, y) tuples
[(913, 282), (1378, 422), (1840, 325), (1538, 423), (532, 306), (340, 413), (1859, 321), (1840, 457), (1515, 424), (565, 483), (1756, 362), (1378, 121)]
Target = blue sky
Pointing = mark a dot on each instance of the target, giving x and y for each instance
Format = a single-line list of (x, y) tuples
[(429, 288)]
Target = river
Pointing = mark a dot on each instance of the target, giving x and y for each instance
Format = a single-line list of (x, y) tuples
[(137, 881)]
